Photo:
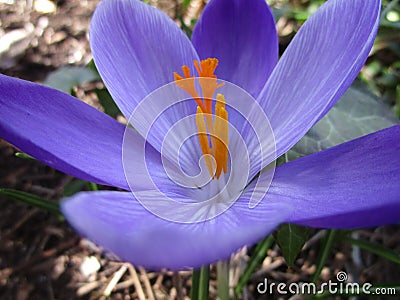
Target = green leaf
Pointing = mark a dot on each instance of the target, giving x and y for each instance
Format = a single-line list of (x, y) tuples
[(188, 31), (30, 199), (92, 186), (186, 3), (73, 187), (291, 239), (390, 10), (358, 113), (91, 65), (105, 99), (77, 185), (376, 249), (279, 12), (65, 78)]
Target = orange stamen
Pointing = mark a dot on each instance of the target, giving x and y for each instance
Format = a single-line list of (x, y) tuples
[(208, 80), (210, 129), (186, 82), (203, 139), (221, 132)]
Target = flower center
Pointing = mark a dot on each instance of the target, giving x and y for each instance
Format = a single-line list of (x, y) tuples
[(212, 128)]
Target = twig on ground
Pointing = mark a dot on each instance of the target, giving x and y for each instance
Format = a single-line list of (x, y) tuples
[(115, 279), (87, 288), (146, 281), (136, 283)]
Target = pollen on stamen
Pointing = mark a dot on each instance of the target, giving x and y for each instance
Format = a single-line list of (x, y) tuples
[(187, 83), (207, 67)]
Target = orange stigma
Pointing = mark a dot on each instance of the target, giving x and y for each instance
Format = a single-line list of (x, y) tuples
[(212, 128)]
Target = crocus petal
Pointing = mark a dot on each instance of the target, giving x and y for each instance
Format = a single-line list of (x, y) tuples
[(136, 48), (355, 184), (116, 221), (318, 66), (242, 35), (63, 132)]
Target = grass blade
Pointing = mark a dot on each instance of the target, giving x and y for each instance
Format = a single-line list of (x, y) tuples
[(200, 284), (31, 199), (223, 280)]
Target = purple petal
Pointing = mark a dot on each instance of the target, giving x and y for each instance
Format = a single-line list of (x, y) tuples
[(242, 35), (318, 66), (136, 48), (355, 184), (63, 132), (118, 222)]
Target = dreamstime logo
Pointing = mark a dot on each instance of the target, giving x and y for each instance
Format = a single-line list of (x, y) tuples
[(183, 189), (341, 276), (308, 288)]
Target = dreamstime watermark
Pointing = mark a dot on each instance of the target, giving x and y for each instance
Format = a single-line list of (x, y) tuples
[(341, 287)]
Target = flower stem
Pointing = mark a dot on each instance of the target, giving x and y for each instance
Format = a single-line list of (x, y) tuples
[(223, 280), (260, 252), (326, 250), (200, 283)]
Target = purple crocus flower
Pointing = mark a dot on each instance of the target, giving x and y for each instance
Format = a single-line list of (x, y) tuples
[(137, 49)]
